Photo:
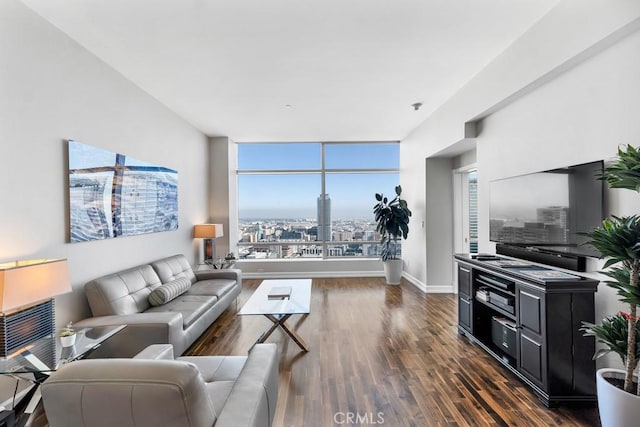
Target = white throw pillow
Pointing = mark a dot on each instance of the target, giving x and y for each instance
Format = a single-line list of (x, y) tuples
[(169, 291)]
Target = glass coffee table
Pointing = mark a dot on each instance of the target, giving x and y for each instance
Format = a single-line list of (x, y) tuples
[(278, 300), (35, 362)]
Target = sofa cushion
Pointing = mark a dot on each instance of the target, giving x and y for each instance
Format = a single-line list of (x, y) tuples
[(169, 291), (218, 393), (217, 287), (125, 292), (192, 307), (219, 373), (217, 368), (128, 392), (173, 267)]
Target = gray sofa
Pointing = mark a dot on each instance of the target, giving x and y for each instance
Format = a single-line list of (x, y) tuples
[(123, 298), (153, 390)]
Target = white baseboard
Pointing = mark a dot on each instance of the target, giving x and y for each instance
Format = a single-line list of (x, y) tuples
[(414, 281), (440, 289), (430, 289), (309, 274)]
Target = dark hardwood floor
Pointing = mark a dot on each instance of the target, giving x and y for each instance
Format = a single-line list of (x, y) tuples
[(385, 355)]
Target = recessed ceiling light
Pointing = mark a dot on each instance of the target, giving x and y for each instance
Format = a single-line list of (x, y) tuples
[(417, 105), (288, 105)]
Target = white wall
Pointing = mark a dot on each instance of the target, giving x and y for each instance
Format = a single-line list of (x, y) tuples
[(564, 39), (220, 180), (295, 268), (52, 90), (581, 116), (439, 224), (465, 159)]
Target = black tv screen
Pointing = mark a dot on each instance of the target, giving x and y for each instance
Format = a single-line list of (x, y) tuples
[(548, 210)]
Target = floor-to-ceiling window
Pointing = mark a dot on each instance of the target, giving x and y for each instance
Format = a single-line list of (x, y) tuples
[(312, 200), (472, 183)]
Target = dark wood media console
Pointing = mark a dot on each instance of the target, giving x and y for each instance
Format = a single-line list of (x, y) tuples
[(528, 317)]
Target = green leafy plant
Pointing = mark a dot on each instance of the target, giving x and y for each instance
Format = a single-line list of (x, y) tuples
[(67, 331), (625, 173), (613, 333), (392, 218), (618, 240)]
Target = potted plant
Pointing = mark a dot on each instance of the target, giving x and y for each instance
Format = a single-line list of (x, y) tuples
[(392, 222), (68, 336), (618, 240)]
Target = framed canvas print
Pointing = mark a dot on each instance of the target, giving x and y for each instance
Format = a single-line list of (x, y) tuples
[(112, 195)]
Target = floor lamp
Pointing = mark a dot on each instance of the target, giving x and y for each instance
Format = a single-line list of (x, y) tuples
[(209, 233)]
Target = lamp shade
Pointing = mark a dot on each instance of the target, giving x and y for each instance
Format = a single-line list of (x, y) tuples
[(26, 282), (208, 231)]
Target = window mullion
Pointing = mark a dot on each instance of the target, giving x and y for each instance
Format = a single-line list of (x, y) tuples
[(279, 172), (323, 199), (355, 171)]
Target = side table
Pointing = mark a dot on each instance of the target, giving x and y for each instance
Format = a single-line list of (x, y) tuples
[(35, 362), (221, 264)]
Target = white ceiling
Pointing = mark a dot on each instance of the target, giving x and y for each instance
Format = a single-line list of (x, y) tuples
[(349, 69)]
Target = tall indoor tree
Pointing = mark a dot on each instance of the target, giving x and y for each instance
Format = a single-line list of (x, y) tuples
[(618, 240)]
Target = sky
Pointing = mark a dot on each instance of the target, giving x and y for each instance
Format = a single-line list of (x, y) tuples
[(508, 201), (82, 156), (295, 196)]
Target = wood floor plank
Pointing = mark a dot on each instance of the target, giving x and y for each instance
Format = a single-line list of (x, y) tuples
[(384, 355)]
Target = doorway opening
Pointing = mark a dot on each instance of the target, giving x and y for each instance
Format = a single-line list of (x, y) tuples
[(466, 210)]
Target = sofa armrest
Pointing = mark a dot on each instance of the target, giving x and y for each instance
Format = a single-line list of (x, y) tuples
[(253, 398), (229, 273), (143, 329), (156, 352), (170, 318)]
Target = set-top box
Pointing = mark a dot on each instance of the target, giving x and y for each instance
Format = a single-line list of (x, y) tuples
[(505, 302)]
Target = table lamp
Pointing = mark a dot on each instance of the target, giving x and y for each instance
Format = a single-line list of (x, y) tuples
[(208, 232), (27, 289)]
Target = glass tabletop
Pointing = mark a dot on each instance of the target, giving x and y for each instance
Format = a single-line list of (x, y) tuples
[(48, 354), (279, 296)]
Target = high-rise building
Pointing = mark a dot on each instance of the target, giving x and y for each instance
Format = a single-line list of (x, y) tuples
[(343, 235), (557, 221), (324, 217)]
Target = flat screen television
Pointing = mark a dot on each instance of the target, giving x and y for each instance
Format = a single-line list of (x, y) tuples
[(548, 210)]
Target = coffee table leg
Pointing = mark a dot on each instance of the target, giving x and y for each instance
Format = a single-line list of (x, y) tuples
[(295, 337), (269, 331), (281, 322)]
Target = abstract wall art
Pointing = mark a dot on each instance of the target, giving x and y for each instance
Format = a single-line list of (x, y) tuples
[(112, 195)]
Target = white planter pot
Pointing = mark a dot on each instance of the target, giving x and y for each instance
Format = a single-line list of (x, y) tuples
[(393, 271), (68, 341), (617, 407)]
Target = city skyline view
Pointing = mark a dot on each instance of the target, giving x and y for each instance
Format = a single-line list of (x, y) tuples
[(283, 238), (302, 200)]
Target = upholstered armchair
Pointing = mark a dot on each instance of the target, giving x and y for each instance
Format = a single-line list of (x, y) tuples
[(153, 389)]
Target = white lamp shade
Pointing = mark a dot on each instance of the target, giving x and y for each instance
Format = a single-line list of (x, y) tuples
[(26, 282), (208, 231)]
